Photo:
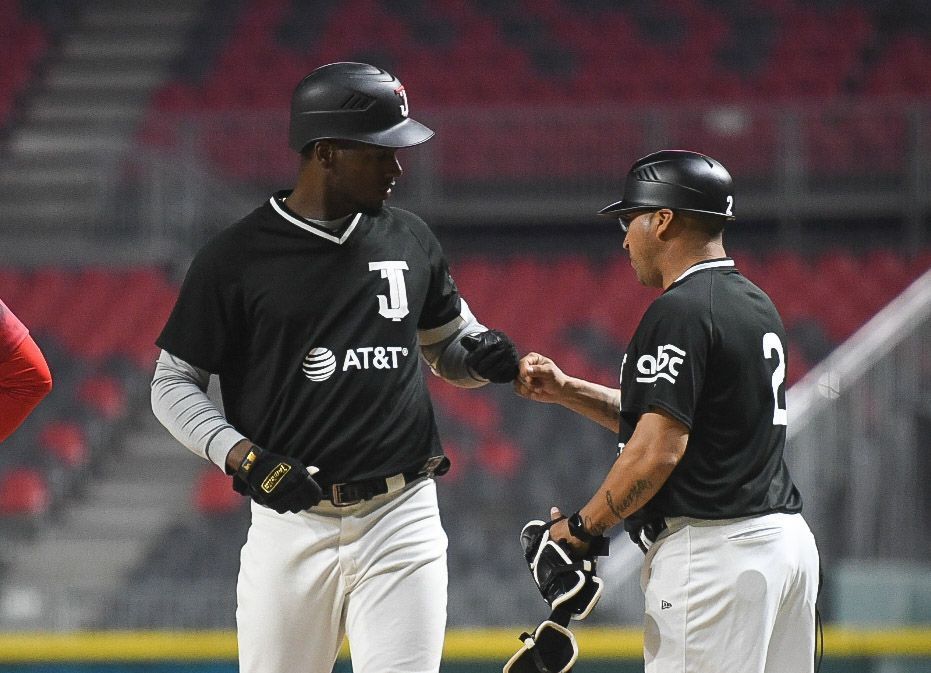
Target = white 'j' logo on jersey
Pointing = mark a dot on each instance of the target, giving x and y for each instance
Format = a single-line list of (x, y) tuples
[(394, 306)]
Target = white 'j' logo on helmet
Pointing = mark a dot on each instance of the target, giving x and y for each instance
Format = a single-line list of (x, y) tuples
[(319, 364), (402, 94)]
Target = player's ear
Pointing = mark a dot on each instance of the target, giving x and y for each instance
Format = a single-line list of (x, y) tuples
[(664, 220), (324, 152)]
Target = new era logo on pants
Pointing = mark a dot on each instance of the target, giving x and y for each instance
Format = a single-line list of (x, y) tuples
[(665, 605)]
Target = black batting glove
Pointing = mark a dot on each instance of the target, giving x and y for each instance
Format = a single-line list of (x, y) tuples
[(275, 481), (492, 355)]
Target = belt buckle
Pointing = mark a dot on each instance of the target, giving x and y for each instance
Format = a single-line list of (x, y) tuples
[(435, 465), (336, 496)]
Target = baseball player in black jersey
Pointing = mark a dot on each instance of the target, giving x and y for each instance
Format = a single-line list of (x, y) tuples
[(730, 575), (314, 311)]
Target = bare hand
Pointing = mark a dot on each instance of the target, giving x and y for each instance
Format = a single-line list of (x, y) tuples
[(539, 379)]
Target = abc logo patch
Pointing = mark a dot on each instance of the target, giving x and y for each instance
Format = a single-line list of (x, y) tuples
[(319, 364)]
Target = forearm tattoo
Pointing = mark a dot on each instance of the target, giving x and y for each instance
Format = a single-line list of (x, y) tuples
[(592, 527), (632, 497)]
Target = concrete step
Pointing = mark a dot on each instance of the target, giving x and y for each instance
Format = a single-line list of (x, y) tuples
[(26, 141), (99, 48), (80, 101), (122, 16), (174, 475), (50, 212), (54, 177), (87, 126), (79, 564), (158, 445), (83, 190), (87, 110), (90, 521), (128, 493), (82, 126), (138, 78), (30, 241)]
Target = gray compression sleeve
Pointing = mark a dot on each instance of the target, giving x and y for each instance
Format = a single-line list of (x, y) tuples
[(181, 404), (442, 349)]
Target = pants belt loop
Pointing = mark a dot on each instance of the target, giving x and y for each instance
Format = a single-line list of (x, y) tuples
[(395, 482)]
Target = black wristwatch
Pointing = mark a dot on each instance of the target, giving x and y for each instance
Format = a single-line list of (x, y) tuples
[(577, 529)]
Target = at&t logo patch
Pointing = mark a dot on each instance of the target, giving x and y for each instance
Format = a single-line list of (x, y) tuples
[(664, 366), (320, 363)]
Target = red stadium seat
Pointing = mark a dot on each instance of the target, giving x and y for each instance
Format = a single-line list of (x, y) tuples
[(105, 395), (499, 456), (66, 441), (23, 45), (214, 495), (23, 491)]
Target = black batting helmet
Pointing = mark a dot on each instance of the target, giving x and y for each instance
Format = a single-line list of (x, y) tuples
[(679, 180), (353, 101)]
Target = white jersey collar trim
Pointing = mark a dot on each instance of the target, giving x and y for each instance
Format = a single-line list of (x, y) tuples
[(701, 266), (318, 231)]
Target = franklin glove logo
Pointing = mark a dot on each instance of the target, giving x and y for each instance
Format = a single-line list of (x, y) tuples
[(664, 366), (275, 476)]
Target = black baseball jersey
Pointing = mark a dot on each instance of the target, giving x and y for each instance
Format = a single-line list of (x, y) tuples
[(313, 334), (711, 351)]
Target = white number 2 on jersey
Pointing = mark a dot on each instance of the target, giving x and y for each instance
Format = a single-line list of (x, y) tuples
[(771, 345)]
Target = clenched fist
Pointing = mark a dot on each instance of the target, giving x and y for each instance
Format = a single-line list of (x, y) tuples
[(539, 379)]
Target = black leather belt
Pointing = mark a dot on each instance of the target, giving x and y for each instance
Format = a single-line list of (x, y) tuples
[(347, 493)]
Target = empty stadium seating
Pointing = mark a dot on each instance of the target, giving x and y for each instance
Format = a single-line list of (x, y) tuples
[(96, 328), (565, 53)]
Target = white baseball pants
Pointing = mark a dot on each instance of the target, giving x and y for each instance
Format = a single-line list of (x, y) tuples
[(732, 595), (375, 571)]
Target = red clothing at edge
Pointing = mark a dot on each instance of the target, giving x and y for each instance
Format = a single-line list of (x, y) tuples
[(24, 374)]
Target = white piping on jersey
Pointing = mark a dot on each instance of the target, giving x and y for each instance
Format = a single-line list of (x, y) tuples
[(704, 265), (314, 230), (428, 337)]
